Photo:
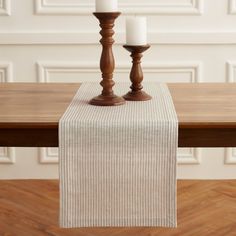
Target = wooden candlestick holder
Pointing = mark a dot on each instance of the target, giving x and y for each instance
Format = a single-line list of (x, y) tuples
[(136, 74), (107, 62)]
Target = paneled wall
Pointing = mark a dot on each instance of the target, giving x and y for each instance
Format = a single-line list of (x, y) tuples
[(47, 41)]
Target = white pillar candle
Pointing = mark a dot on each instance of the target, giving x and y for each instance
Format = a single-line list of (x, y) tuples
[(106, 5), (136, 31)]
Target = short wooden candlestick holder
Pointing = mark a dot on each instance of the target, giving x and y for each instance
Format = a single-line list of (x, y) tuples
[(136, 74), (107, 62)]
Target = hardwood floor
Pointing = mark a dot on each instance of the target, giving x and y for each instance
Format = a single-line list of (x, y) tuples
[(30, 208)]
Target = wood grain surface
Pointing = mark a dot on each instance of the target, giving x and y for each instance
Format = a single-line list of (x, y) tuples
[(31, 208), (29, 113)]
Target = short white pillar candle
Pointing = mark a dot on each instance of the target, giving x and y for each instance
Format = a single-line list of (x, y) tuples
[(106, 5), (136, 31)]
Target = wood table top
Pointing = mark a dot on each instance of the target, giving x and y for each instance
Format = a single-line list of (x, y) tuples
[(204, 111)]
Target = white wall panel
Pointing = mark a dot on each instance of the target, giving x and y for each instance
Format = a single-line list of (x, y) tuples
[(5, 72), (165, 7), (92, 38), (58, 41), (163, 16), (48, 155), (232, 7), (230, 156), (185, 156), (231, 66), (7, 155), (54, 71), (189, 156), (5, 8)]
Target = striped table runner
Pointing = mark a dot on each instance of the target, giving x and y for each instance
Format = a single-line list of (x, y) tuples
[(118, 164)]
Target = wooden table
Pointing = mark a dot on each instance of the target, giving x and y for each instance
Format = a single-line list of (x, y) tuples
[(29, 113)]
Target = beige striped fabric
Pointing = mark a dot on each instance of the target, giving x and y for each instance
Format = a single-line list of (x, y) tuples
[(118, 164)]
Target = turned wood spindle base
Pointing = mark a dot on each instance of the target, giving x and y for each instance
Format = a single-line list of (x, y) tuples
[(136, 74), (102, 100), (107, 62), (137, 96)]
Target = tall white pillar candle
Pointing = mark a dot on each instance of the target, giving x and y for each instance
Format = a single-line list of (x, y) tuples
[(106, 5), (136, 31)]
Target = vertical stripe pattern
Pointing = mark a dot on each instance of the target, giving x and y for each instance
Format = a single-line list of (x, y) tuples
[(118, 164)]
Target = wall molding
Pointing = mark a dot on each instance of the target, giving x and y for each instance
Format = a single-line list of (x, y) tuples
[(230, 153), (92, 38), (45, 68), (232, 7), (191, 158), (7, 155), (5, 8), (230, 156), (231, 71), (47, 156), (5, 72), (192, 7)]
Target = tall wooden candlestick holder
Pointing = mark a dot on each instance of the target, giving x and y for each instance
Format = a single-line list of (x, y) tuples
[(107, 62), (136, 74)]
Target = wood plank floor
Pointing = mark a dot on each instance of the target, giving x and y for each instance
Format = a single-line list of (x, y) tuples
[(30, 208)]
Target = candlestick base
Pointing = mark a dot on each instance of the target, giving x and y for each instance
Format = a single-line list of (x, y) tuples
[(102, 100), (137, 96), (136, 74)]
